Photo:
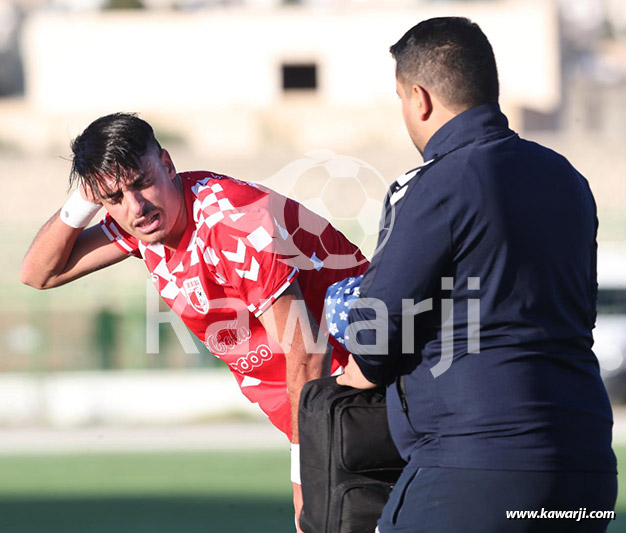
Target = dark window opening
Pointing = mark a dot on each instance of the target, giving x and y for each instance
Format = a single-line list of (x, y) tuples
[(299, 76)]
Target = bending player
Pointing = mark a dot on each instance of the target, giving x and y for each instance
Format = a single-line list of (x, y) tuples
[(229, 257)]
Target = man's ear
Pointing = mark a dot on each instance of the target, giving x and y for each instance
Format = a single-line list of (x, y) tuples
[(167, 163), (422, 101)]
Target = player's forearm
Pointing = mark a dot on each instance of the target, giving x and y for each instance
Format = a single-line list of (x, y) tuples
[(48, 255), (303, 367), (307, 356)]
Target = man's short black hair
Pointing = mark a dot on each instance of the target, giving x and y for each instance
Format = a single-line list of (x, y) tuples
[(451, 57), (110, 147)]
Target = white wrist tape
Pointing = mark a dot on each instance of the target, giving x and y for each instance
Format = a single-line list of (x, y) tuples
[(78, 212), (295, 464)]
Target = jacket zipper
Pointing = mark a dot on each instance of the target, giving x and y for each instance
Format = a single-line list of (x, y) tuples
[(402, 395)]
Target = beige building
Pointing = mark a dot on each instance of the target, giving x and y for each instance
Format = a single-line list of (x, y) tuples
[(237, 80)]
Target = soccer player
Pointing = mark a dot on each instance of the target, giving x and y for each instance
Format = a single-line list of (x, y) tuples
[(229, 257)]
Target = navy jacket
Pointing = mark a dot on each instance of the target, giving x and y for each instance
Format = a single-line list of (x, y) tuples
[(498, 236)]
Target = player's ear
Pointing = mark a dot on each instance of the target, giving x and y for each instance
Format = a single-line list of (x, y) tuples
[(167, 163), (421, 99)]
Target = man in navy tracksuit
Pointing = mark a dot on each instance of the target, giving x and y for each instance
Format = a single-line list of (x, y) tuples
[(488, 278)]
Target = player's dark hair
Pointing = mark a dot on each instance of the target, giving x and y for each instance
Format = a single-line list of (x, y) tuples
[(110, 147), (453, 58)]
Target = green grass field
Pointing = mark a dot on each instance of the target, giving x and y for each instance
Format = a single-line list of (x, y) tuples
[(188, 492), (158, 493)]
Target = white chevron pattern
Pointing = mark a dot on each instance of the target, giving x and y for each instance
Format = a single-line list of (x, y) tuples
[(252, 274), (239, 256)]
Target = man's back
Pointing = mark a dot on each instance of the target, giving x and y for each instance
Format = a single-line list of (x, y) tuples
[(516, 231)]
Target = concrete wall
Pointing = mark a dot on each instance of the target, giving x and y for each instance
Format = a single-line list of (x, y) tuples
[(215, 75)]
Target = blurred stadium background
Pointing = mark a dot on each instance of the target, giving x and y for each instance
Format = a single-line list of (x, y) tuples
[(107, 423)]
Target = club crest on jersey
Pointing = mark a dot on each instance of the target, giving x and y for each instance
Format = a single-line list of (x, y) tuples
[(195, 295)]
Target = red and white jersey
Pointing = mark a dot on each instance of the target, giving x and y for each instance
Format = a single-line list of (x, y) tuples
[(243, 246)]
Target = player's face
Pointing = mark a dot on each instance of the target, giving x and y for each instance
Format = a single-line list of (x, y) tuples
[(150, 205)]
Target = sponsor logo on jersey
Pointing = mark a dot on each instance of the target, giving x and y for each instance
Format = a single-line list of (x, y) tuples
[(252, 360), (227, 339), (195, 295)]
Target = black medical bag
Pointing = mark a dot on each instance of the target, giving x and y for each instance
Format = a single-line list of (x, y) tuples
[(348, 461)]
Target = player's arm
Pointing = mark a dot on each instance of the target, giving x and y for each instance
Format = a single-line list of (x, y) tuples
[(61, 253), (302, 366)]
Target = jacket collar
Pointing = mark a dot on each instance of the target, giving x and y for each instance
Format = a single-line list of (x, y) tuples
[(478, 122)]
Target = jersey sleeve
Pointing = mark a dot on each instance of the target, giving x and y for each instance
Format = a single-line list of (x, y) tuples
[(123, 240), (246, 252)]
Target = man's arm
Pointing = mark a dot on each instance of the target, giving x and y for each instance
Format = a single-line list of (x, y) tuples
[(304, 362), (302, 365), (408, 269), (61, 253)]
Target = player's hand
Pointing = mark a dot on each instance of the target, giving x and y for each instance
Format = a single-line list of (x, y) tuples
[(297, 504), (353, 377), (88, 195)]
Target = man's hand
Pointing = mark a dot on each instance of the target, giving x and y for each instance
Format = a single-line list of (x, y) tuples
[(87, 194), (297, 504), (353, 377)]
